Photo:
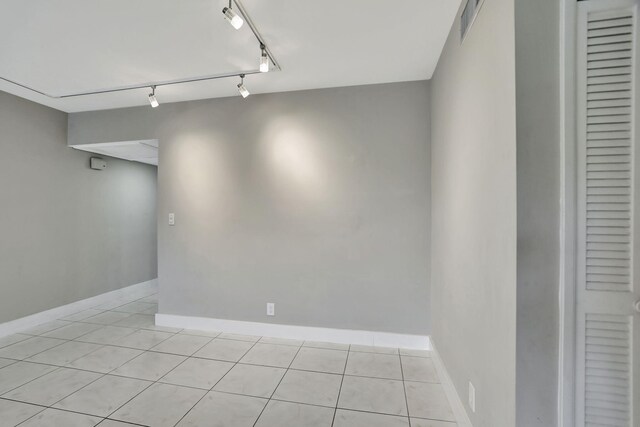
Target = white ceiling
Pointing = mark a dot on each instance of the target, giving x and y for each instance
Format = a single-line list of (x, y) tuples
[(64, 46)]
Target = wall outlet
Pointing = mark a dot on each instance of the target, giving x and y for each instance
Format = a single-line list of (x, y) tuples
[(271, 309), (172, 219), (472, 397)]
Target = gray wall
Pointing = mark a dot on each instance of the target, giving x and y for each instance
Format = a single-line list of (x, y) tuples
[(474, 212), (67, 232), (316, 200), (538, 161)]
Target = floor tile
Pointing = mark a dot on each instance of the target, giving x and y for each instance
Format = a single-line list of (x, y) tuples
[(28, 347), (313, 388), (110, 305), (103, 396), (107, 335), (56, 418), (151, 310), (107, 318), (250, 380), (200, 373), (228, 350), (6, 362), (346, 418), (374, 365), (278, 414), (373, 395), (224, 410), (81, 315), (105, 359), (281, 341), (72, 331), (279, 356), (13, 413), (239, 337), (46, 327), (65, 353), (150, 298), (145, 321), (149, 366), (144, 339), (428, 400), (415, 353), (20, 373), (154, 327), (12, 339), (419, 422), (374, 349), (50, 388), (136, 307), (320, 360), (210, 334), (185, 345), (327, 345), (161, 405), (419, 369), (114, 423)]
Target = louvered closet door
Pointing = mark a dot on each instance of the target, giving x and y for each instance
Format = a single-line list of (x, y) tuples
[(608, 325)]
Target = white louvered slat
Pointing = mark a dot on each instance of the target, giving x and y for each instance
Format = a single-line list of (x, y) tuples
[(608, 152), (607, 370), (608, 23)]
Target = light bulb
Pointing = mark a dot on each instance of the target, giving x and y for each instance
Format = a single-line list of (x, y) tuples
[(243, 90), (153, 101), (234, 19), (264, 62)]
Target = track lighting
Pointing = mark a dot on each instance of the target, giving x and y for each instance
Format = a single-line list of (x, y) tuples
[(234, 19), (152, 97), (264, 60), (237, 16), (243, 90)]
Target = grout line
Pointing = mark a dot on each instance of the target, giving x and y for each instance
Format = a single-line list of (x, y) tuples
[(212, 387), (278, 385), (51, 406), (404, 387), (344, 372)]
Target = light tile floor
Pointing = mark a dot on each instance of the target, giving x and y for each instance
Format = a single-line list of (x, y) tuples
[(110, 365)]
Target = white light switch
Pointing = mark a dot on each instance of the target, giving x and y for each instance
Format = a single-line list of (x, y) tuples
[(172, 219), (271, 309)]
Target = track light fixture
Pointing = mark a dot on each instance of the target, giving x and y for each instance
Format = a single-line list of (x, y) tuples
[(152, 98), (264, 60), (236, 14), (243, 90), (234, 19)]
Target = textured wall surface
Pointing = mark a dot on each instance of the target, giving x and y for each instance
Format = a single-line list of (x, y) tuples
[(474, 212), (317, 201), (67, 232)]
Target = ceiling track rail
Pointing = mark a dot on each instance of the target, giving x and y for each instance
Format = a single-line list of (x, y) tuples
[(239, 7)]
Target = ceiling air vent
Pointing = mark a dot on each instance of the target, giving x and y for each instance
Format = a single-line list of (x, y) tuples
[(469, 14)]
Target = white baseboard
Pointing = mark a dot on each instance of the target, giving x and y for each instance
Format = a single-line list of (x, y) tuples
[(308, 333), (457, 406), (27, 322)]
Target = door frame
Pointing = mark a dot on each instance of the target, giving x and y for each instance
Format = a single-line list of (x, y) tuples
[(567, 298), (568, 215)]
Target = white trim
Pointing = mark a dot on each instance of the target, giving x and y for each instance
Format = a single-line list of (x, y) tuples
[(340, 336), (27, 322), (462, 418), (567, 288)]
